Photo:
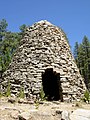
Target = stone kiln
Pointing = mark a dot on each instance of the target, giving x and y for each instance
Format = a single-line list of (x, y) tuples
[(44, 58)]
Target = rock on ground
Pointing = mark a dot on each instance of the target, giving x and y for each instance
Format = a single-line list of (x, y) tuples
[(44, 110), (80, 114)]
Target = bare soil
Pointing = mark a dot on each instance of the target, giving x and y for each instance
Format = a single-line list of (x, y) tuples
[(11, 111)]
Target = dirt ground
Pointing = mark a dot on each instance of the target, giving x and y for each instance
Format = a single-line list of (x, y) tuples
[(10, 110)]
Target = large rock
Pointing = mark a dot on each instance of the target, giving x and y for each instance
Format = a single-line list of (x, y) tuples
[(80, 114)]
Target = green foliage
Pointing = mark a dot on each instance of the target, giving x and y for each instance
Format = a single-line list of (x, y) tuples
[(42, 94), (86, 97), (21, 94), (3, 26), (9, 42), (8, 92), (82, 57), (37, 104), (22, 28), (7, 47), (76, 50)]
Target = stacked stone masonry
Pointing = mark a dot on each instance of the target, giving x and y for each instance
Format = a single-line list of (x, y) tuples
[(43, 46)]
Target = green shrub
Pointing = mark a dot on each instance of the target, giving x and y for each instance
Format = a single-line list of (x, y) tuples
[(86, 97), (21, 94), (36, 104), (42, 94), (8, 92)]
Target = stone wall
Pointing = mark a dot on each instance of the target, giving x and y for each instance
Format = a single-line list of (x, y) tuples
[(43, 46)]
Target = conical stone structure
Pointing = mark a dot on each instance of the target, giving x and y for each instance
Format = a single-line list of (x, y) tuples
[(44, 59)]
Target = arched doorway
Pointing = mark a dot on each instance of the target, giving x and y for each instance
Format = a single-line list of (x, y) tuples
[(51, 85)]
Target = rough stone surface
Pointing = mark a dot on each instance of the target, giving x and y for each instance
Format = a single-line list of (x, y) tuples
[(80, 114), (43, 46)]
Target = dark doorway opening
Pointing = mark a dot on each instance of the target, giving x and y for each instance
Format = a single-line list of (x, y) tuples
[(52, 85)]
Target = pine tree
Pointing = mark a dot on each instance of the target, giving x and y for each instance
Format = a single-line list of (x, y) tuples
[(82, 57), (3, 28), (76, 47)]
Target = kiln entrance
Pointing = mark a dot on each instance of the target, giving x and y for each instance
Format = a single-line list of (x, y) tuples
[(51, 85)]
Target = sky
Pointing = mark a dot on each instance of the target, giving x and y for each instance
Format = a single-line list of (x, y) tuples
[(73, 16)]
